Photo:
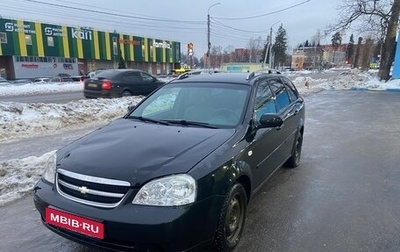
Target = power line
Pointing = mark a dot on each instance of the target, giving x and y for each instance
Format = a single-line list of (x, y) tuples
[(139, 24), (266, 14), (232, 28), (113, 14)]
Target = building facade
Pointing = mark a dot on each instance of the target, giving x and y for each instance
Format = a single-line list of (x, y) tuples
[(318, 57), (32, 49)]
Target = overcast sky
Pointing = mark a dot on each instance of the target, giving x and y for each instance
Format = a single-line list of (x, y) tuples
[(233, 22)]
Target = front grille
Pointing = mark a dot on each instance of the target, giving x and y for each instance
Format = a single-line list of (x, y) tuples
[(94, 191)]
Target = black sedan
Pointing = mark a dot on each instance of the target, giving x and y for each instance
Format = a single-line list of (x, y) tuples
[(120, 82), (176, 172)]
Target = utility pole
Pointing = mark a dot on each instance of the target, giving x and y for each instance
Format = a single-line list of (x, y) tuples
[(208, 40), (270, 49), (208, 36)]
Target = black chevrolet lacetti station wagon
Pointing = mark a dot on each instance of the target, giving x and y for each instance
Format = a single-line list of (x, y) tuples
[(177, 171)]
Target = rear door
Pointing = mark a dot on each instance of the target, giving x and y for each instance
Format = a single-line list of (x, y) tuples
[(132, 82), (149, 83)]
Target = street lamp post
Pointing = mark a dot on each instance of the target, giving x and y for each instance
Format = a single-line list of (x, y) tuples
[(208, 36)]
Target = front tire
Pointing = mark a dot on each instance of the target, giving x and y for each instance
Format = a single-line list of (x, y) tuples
[(231, 220), (294, 160)]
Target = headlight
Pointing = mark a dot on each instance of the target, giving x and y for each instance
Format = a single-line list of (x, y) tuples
[(50, 169), (175, 190)]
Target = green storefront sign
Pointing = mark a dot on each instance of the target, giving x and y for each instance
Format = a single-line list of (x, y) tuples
[(23, 38)]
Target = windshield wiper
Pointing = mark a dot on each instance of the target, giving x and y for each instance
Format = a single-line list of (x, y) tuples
[(146, 119), (192, 123)]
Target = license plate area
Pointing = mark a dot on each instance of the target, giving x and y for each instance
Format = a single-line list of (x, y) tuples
[(92, 85), (74, 223)]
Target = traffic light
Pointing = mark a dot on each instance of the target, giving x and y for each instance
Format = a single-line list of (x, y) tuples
[(190, 48)]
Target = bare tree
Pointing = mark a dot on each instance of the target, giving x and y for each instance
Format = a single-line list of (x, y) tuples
[(375, 18), (255, 46)]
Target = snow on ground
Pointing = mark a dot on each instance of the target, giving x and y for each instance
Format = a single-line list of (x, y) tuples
[(20, 120)]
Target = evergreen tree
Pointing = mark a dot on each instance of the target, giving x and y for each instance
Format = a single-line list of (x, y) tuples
[(306, 44), (280, 46), (336, 40)]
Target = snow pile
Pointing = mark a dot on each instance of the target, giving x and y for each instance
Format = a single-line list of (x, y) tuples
[(345, 80), (23, 120), (18, 176), (40, 88), (19, 120)]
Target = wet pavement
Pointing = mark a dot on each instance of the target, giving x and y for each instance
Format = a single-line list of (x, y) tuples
[(343, 196)]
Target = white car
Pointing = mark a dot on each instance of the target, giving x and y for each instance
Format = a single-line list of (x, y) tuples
[(4, 81), (41, 80), (93, 73)]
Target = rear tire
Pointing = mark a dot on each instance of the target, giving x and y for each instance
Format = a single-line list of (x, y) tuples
[(294, 160), (231, 220), (126, 93)]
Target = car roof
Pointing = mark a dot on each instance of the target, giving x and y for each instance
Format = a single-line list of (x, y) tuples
[(122, 70), (239, 78), (115, 72)]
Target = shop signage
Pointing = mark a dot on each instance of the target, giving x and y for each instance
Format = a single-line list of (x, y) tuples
[(30, 66), (84, 34), (15, 27), (52, 31), (164, 45), (129, 42)]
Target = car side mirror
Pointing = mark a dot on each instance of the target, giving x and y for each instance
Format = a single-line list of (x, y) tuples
[(270, 121)]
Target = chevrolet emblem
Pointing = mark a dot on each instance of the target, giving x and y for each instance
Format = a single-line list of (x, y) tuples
[(83, 189)]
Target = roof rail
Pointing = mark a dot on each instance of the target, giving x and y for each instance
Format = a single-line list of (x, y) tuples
[(197, 72), (261, 71)]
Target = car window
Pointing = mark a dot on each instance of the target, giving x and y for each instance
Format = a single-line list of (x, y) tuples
[(264, 102), (165, 101), (282, 100), (276, 85), (209, 103), (132, 77), (293, 94), (146, 77)]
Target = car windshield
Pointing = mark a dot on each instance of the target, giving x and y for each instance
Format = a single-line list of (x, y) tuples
[(196, 105)]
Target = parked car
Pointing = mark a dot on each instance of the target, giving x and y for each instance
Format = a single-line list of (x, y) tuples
[(3, 81), (177, 171), (120, 82), (22, 81), (91, 74), (61, 79), (63, 75), (41, 80)]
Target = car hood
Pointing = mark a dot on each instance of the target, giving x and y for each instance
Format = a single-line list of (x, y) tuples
[(138, 152)]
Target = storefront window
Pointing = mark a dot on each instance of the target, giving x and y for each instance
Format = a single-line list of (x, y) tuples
[(28, 39), (3, 38), (50, 41)]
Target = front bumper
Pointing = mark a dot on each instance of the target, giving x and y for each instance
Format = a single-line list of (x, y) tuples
[(129, 227)]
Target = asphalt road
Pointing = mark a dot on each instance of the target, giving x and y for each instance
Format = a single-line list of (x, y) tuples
[(78, 95), (343, 196), (45, 98)]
